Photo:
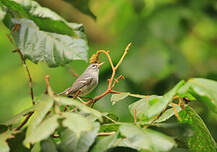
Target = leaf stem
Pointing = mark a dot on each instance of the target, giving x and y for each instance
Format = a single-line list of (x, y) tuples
[(28, 72)]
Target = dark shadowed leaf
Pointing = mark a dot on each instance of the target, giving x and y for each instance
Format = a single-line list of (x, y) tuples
[(70, 142), (48, 146), (145, 139), (201, 140), (117, 97), (16, 143), (54, 49), (203, 90), (82, 5), (105, 143), (3, 144)]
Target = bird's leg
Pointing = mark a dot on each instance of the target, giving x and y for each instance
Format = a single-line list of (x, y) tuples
[(86, 103), (76, 94)]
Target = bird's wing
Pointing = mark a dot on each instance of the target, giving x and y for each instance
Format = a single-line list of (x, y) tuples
[(78, 84)]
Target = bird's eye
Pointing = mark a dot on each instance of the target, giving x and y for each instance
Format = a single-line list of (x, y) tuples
[(94, 66)]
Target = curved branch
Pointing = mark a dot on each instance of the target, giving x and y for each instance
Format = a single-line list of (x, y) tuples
[(114, 69)]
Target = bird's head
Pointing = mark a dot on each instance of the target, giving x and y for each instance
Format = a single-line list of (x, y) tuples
[(94, 67)]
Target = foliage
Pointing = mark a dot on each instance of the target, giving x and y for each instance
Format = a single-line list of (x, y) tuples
[(42, 35), (62, 124)]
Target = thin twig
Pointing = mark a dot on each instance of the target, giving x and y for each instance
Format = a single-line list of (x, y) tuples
[(24, 121), (72, 71), (175, 111), (28, 72), (50, 92), (106, 133), (135, 116), (114, 69), (110, 119)]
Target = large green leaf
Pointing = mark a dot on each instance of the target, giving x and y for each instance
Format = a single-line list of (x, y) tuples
[(84, 109), (16, 119), (147, 110), (117, 97), (44, 35), (105, 143), (55, 49), (82, 5), (3, 144), (43, 130), (168, 114), (44, 18), (203, 90), (76, 123), (40, 112), (145, 139), (201, 140), (70, 142)]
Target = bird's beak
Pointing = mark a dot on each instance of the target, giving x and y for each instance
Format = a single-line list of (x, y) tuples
[(100, 64)]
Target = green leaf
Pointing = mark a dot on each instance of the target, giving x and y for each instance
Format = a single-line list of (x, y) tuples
[(145, 139), (85, 109), (44, 18), (109, 127), (43, 130), (168, 114), (76, 123), (70, 142), (48, 146), (36, 148), (203, 90), (54, 49), (105, 143), (117, 97), (155, 105), (16, 119), (2, 12), (201, 140), (16, 144), (3, 143), (42, 109), (141, 105), (82, 5)]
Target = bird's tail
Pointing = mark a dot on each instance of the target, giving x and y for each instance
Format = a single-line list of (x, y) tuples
[(61, 93)]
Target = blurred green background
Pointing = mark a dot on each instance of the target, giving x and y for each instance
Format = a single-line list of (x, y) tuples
[(171, 40)]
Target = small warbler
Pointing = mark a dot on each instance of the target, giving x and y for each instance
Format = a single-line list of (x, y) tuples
[(86, 82)]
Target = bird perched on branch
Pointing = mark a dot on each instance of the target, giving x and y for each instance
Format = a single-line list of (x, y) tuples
[(85, 83)]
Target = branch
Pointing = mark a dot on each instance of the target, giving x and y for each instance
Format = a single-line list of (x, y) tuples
[(50, 92), (112, 81), (29, 75), (16, 28), (106, 133), (175, 111), (24, 121), (72, 71)]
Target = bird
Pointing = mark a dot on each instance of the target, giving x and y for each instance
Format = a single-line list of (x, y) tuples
[(85, 83)]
